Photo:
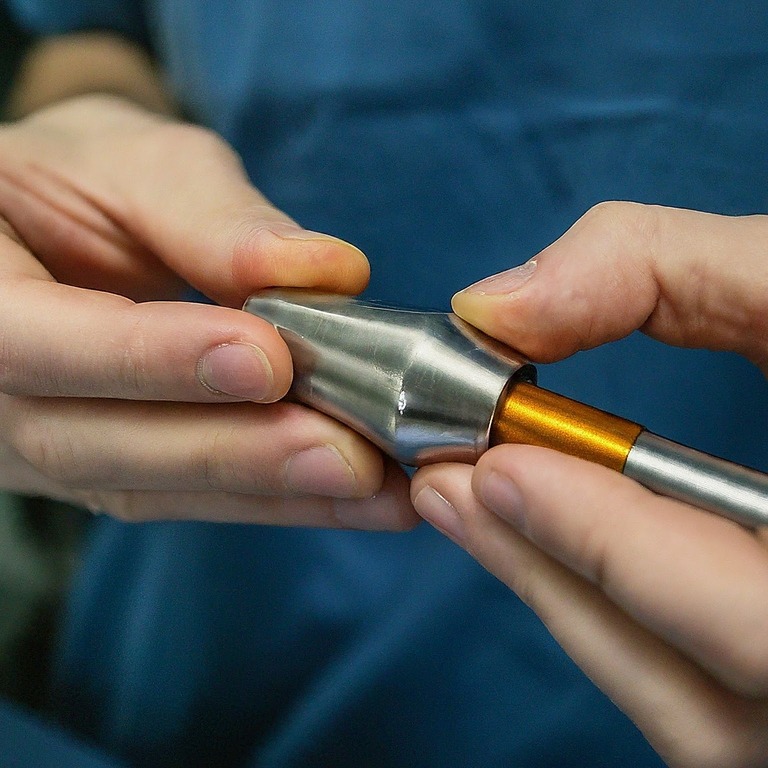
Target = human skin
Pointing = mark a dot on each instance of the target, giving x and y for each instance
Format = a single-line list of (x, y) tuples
[(661, 604), (114, 393)]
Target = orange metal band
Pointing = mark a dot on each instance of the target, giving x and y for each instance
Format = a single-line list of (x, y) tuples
[(534, 416)]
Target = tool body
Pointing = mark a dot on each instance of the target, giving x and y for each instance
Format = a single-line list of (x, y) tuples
[(427, 387)]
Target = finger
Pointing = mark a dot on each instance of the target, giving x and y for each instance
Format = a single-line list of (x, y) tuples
[(58, 340), (283, 449), (685, 714), (684, 277), (180, 192), (688, 576), (389, 509), (79, 243)]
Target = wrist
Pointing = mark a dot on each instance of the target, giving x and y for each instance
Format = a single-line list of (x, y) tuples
[(67, 66)]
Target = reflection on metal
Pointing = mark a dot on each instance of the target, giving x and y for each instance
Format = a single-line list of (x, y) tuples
[(423, 386)]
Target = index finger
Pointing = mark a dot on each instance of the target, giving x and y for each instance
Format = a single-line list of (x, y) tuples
[(684, 277), (694, 579), (59, 340)]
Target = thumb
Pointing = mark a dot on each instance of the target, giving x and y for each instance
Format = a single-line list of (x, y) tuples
[(685, 278), (209, 224), (124, 188)]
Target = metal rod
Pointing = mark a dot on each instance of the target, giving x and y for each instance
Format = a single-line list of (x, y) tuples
[(535, 416), (674, 470), (427, 387)]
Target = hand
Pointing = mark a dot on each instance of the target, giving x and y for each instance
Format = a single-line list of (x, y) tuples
[(661, 604), (114, 397)]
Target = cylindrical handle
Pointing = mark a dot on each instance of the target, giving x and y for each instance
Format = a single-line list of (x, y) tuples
[(697, 478)]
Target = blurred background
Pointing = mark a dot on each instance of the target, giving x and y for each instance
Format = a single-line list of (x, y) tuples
[(12, 46), (38, 539)]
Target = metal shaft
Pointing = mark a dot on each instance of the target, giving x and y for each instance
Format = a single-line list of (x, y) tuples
[(535, 416), (697, 478), (426, 387)]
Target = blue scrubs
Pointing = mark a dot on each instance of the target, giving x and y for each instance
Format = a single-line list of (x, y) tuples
[(449, 139)]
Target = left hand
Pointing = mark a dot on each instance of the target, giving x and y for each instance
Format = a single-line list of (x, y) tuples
[(114, 397), (663, 605)]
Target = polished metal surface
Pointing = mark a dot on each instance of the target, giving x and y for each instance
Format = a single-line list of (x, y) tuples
[(427, 387), (697, 478), (423, 386)]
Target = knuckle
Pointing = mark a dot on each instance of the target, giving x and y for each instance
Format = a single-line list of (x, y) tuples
[(745, 664), (254, 257), (593, 553), (525, 586), (17, 375), (628, 227), (222, 462), (134, 369), (180, 142), (49, 450), (525, 579), (214, 460), (8, 230), (611, 214), (248, 452), (8, 370), (126, 506)]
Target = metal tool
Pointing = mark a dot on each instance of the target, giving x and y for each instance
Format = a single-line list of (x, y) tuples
[(427, 387)]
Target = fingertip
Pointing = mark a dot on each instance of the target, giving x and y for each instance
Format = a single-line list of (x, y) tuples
[(389, 509), (441, 495), (503, 477), (519, 462), (514, 308), (432, 475), (245, 356), (418, 481), (238, 369), (292, 257), (278, 358), (480, 303), (325, 262), (366, 467), (476, 308), (513, 322)]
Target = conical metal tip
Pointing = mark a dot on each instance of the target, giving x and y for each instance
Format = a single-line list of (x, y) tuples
[(423, 386)]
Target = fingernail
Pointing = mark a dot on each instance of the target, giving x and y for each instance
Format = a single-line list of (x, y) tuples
[(440, 513), (505, 282), (499, 494), (320, 471), (237, 369)]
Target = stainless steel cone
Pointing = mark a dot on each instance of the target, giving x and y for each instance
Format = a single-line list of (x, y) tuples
[(423, 386)]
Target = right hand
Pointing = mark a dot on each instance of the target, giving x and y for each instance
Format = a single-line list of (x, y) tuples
[(661, 604), (115, 395)]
